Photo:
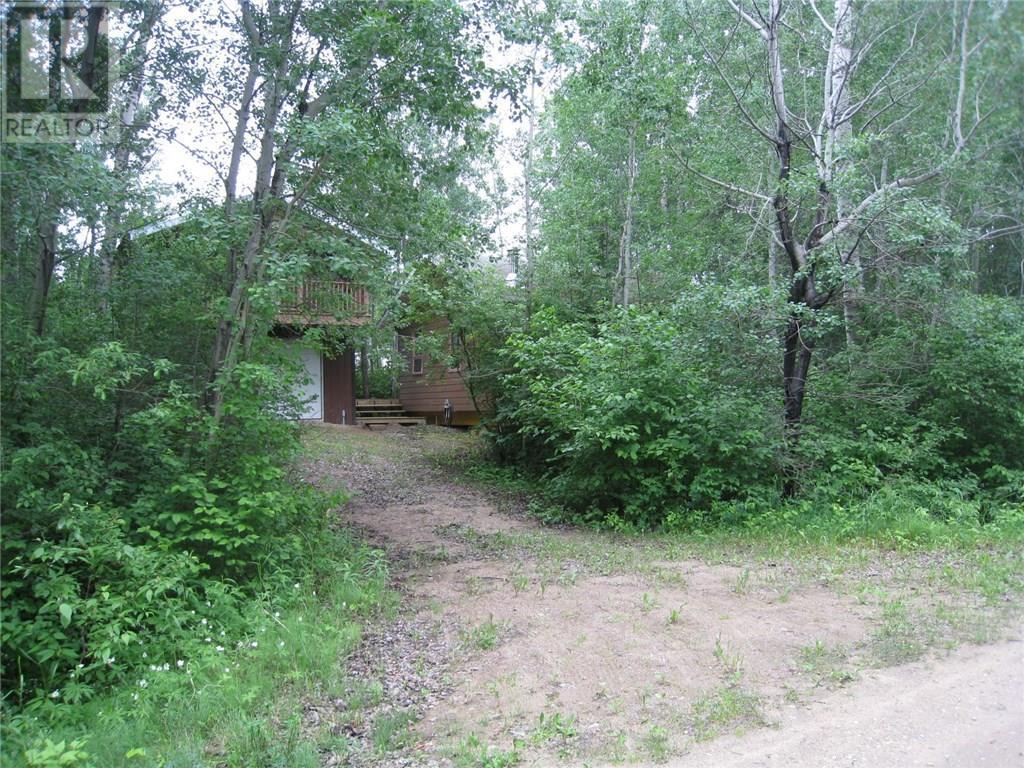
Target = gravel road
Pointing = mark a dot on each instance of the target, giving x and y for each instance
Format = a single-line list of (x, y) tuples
[(965, 710)]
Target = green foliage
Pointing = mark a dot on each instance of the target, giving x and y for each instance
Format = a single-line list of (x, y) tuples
[(482, 637), (56, 754), (630, 420), (133, 520), (554, 727), (225, 682), (953, 415)]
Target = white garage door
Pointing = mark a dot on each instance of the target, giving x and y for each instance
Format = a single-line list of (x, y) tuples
[(313, 391), (309, 390)]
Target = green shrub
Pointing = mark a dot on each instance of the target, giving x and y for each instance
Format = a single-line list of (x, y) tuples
[(629, 420), (130, 531), (85, 605), (936, 397)]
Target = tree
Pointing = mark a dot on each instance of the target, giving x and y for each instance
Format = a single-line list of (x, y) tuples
[(823, 212), (335, 86)]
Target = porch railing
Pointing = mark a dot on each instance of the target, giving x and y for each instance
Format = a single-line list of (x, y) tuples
[(342, 299)]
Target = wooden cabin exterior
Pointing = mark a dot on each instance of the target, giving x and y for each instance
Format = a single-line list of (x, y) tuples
[(426, 384), (329, 392)]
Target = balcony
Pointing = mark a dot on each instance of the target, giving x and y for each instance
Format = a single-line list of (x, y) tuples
[(326, 302)]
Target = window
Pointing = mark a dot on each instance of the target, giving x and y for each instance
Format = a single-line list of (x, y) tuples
[(408, 347), (455, 352)]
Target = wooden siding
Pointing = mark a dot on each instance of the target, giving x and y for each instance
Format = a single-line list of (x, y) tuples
[(339, 389), (424, 394)]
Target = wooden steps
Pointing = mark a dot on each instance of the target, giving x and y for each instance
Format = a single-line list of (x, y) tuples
[(382, 413)]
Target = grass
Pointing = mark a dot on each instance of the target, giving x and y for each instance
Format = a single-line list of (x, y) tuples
[(826, 664), (393, 730), (472, 752), (725, 709), (730, 660), (483, 637), (900, 638), (656, 744), (554, 727), (231, 703)]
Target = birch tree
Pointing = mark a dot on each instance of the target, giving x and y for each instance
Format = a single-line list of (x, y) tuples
[(331, 78), (821, 214)]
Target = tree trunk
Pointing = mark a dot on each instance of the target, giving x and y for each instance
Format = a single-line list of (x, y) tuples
[(47, 260), (803, 293), (364, 369), (840, 133), (624, 274), (47, 224), (114, 216), (531, 129), (233, 329), (796, 366)]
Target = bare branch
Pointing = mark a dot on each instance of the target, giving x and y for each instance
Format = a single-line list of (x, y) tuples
[(958, 111), (732, 91), (828, 27), (718, 182), (749, 19)]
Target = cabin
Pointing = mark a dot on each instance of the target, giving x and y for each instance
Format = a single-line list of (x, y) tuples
[(329, 391), (430, 387)]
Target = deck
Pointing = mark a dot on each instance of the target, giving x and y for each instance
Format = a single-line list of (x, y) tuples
[(327, 302)]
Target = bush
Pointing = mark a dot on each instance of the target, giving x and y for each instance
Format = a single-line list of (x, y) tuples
[(926, 398), (134, 520), (84, 605), (629, 420)]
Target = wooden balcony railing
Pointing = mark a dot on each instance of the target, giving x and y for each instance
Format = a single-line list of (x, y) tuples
[(327, 302)]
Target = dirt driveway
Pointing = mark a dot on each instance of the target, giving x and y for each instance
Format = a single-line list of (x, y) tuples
[(517, 642)]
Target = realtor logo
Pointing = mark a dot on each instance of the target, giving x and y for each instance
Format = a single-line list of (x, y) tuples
[(58, 72)]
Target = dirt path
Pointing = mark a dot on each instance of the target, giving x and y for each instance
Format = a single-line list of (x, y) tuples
[(966, 709), (524, 642)]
